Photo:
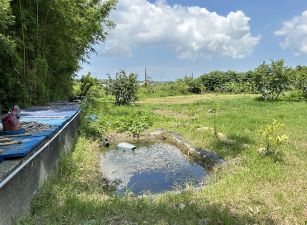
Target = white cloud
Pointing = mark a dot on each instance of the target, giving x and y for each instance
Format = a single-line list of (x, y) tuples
[(294, 32), (191, 32)]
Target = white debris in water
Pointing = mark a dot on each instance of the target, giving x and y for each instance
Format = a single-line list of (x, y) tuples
[(158, 157), (126, 146)]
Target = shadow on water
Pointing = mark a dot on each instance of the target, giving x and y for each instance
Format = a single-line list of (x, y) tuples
[(150, 181)]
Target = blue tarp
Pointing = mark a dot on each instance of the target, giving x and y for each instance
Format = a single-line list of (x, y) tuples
[(54, 114)]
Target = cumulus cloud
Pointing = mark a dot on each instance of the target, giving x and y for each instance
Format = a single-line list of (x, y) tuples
[(294, 32), (191, 32)]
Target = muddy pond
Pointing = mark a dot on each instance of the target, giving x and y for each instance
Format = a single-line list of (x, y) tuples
[(152, 167)]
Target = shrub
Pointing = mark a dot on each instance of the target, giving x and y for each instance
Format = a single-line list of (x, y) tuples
[(272, 138), (271, 80), (124, 88), (294, 95)]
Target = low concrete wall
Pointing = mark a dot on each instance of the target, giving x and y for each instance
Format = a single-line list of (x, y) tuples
[(17, 193)]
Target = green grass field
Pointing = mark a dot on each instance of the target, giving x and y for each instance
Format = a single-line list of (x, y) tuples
[(248, 189)]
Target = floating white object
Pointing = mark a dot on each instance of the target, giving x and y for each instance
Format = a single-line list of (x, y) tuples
[(125, 145)]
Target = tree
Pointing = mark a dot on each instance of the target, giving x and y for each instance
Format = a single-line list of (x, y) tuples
[(87, 81), (271, 80), (229, 81), (301, 79), (42, 43), (124, 88), (212, 81), (11, 89), (90, 87), (194, 84)]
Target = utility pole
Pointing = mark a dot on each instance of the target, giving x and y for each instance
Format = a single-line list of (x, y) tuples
[(146, 78)]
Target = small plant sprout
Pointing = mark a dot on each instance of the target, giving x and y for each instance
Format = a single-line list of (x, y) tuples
[(272, 137), (214, 109)]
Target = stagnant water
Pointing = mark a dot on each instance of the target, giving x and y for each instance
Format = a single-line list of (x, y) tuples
[(151, 168)]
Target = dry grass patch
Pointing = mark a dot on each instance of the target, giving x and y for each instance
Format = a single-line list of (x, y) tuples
[(189, 99), (170, 113)]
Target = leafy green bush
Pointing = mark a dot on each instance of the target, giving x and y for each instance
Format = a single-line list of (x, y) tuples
[(271, 80), (294, 95), (124, 88)]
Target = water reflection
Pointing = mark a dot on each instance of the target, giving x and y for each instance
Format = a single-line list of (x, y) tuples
[(154, 168)]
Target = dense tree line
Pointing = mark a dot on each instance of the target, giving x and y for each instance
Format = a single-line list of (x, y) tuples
[(42, 43), (229, 81), (270, 80)]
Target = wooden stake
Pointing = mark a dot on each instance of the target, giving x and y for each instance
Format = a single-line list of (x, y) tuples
[(44, 116), (5, 139), (17, 135), (11, 143)]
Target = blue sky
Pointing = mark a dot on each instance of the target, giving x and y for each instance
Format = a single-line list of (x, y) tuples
[(174, 38)]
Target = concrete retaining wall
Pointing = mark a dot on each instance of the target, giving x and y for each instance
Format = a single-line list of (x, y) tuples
[(17, 192)]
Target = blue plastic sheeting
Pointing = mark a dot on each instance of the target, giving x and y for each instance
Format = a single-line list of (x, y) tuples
[(49, 121), (54, 114), (12, 132)]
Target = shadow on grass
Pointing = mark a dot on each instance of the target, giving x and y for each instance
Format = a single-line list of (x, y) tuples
[(241, 139), (281, 99), (234, 147), (261, 99), (86, 210)]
